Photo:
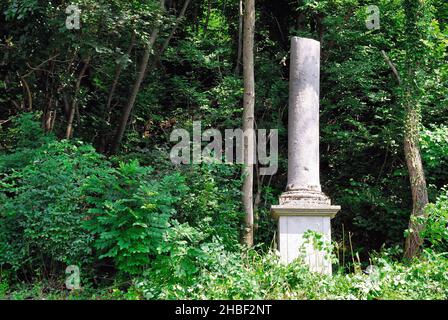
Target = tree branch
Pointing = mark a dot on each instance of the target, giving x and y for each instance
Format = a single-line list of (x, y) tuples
[(392, 66)]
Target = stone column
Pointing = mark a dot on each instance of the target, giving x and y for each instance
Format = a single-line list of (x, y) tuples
[(303, 116), (303, 206)]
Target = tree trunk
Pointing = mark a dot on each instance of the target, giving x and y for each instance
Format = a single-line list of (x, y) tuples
[(240, 38), (412, 123), (135, 89), (419, 191), (72, 111), (207, 18), (248, 118), (118, 70), (28, 93), (170, 36)]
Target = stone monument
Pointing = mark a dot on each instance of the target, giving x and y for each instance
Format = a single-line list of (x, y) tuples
[(303, 206)]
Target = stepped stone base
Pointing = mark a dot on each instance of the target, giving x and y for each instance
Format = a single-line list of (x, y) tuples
[(298, 212), (304, 197)]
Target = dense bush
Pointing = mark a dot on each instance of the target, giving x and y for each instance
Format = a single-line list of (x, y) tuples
[(434, 144), (251, 275), (41, 209), (436, 231), (174, 231), (211, 201), (66, 204), (130, 211), (20, 142)]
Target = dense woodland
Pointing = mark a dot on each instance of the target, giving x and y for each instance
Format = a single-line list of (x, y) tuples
[(85, 173)]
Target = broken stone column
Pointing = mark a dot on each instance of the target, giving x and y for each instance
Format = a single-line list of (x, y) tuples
[(303, 206)]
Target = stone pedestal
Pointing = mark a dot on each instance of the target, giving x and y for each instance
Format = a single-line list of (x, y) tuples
[(303, 206), (293, 223)]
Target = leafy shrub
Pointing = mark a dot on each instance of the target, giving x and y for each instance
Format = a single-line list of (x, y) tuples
[(130, 211), (4, 288), (214, 191), (250, 275), (21, 141), (182, 256), (41, 212), (137, 215), (67, 202), (436, 231), (434, 143)]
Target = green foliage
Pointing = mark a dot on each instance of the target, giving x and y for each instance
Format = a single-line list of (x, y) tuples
[(434, 145), (134, 215), (67, 202), (21, 9), (4, 288), (182, 256), (20, 141), (130, 211), (249, 275), (436, 231), (42, 209), (212, 190), (175, 230)]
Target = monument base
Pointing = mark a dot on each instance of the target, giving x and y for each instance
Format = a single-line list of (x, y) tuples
[(293, 222)]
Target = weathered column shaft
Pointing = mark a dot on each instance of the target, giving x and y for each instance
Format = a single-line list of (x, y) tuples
[(303, 206), (303, 116)]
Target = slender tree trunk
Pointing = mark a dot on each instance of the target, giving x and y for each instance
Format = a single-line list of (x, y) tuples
[(414, 163), (72, 111), (195, 17), (49, 112), (135, 89), (248, 118), (28, 93), (118, 70), (176, 25), (412, 123), (170, 36), (417, 179), (257, 198), (207, 18), (240, 38)]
